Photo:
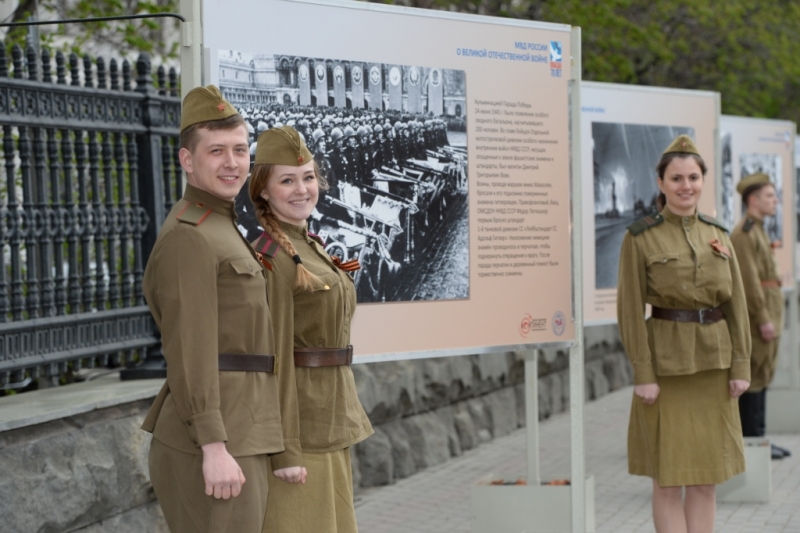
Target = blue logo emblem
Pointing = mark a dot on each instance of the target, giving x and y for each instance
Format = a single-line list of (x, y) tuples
[(555, 59), (555, 54)]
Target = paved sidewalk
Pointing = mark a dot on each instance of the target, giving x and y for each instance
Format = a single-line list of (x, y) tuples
[(437, 499)]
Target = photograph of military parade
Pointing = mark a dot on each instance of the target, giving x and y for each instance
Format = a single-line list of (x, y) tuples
[(625, 187), (391, 141), (772, 166)]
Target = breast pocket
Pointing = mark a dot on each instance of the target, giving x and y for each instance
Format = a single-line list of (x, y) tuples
[(241, 286), (246, 266), (718, 273), (662, 271), (329, 281), (318, 313)]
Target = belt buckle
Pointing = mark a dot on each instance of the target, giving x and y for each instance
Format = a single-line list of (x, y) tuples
[(349, 354), (702, 314)]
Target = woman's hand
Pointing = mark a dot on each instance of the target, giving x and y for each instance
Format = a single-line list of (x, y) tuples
[(292, 474), (648, 392), (738, 387), (767, 331)]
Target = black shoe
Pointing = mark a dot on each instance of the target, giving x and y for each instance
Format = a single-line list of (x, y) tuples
[(776, 452), (784, 451)]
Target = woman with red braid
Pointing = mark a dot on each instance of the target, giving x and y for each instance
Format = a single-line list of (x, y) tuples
[(312, 299)]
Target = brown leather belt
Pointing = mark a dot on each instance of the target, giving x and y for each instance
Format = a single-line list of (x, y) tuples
[(246, 362), (771, 283), (316, 357), (703, 316)]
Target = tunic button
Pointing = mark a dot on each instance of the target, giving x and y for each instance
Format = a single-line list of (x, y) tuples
[(326, 287)]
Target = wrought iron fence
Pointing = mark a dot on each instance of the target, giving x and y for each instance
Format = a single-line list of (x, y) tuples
[(89, 169)]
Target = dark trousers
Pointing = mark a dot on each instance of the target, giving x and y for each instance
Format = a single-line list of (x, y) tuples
[(753, 412)]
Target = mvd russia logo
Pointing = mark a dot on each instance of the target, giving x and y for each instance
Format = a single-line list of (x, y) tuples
[(555, 54), (555, 59)]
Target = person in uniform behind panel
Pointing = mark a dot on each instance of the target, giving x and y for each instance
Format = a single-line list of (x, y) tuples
[(313, 299), (691, 358), (762, 285), (217, 416)]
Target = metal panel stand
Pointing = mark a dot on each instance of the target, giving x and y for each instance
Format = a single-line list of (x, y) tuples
[(532, 508), (532, 414)]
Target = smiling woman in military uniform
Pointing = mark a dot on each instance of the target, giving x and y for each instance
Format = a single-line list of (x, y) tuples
[(691, 358), (312, 298)]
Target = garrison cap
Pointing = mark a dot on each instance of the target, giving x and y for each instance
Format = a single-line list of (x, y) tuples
[(759, 178), (682, 144), (204, 104), (282, 146)]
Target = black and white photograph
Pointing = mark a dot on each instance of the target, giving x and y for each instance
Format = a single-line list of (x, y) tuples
[(391, 142), (772, 166), (728, 191), (624, 158)]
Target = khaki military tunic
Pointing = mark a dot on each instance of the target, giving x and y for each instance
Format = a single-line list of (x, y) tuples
[(691, 435), (764, 304), (331, 418), (673, 265), (207, 293)]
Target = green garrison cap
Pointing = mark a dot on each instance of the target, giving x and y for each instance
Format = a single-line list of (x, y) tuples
[(759, 178), (682, 144), (282, 146), (204, 104)]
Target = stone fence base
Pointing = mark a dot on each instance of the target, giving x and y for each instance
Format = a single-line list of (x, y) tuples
[(88, 473)]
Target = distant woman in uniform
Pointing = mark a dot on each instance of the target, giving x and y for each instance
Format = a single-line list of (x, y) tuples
[(312, 298), (691, 357)]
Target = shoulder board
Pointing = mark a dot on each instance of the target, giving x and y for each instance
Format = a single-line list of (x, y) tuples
[(712, 221), (748, 225), (645, 223), (266, 245), (194, 213), (317, 238)]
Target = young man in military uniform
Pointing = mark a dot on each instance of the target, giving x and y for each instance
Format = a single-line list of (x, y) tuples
[(762, 284), (217, 417)]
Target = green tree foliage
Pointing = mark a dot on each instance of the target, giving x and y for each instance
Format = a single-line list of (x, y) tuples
[(158, 37), (748, 50)]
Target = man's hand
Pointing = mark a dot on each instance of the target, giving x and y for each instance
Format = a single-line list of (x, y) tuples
[(767, 330), (738, 387), (292, 474), (221, 472), (648, 392)]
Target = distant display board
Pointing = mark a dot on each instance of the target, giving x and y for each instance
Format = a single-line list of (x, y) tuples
[(752, 145), (624, 130)]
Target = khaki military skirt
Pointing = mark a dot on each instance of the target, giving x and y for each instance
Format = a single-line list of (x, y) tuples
[(324, 504), (692, 435)]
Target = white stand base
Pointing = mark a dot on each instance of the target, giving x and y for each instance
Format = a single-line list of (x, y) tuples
[(782, 412), (754, 485), (526, 508)]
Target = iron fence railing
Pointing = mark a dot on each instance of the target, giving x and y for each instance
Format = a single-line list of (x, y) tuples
[(89, 169)]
